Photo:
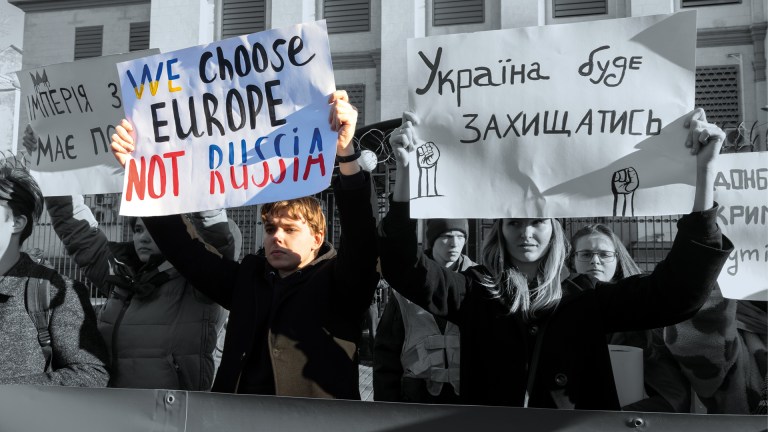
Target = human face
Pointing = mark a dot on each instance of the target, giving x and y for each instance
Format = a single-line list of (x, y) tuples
[(143, 243), (527, 240), (6, 227), (601, 270), (289, 243), (447, 247)]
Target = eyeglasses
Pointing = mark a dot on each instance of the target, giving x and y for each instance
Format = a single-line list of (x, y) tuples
[(586, 255)]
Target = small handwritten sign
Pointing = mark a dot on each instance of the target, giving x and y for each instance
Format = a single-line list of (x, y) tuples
[(237, 122), (741, 189), (561, 120), (73, 108)]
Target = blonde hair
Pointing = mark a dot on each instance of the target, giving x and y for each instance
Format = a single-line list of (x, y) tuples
[(307, 208), (510, 286)]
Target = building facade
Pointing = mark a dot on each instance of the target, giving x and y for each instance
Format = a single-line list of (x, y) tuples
[(368, 40)]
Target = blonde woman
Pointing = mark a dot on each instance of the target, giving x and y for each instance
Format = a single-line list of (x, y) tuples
[(531, 337)]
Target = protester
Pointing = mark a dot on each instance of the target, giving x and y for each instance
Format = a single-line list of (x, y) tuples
[(525, 339), (160, 331), (598, 252), (295, 313), (416, 355), (720, 352), (63, 347)]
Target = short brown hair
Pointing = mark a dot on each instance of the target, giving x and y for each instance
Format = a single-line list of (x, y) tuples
[(308, 209)]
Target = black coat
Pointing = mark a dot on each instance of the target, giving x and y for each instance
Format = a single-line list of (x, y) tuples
[(310, 327), (562, 357)]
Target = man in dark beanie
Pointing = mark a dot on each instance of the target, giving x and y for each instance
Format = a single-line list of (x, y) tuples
[(416, 355), (63, 347)]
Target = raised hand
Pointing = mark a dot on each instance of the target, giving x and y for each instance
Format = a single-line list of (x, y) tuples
[(403, 139), (705, 141), (342, 118), (122, 142)]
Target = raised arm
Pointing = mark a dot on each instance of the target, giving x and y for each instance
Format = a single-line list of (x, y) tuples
[(681, 283), (433, 287), (79, 232), (355, 276)]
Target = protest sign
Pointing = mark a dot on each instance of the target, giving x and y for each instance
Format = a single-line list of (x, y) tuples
[(561, 120), (236, 122), (73, 108), (741, 189)]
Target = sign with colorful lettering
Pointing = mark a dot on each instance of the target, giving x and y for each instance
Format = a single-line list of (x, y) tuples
[(73, 107), (237, 122), (741, 189), (558, 121)]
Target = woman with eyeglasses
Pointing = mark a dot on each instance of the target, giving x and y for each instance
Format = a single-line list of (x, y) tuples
[(531, 336), (720, 352), (598, 252)]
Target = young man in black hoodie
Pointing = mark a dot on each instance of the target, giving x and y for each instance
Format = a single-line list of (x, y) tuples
[(295, 313)]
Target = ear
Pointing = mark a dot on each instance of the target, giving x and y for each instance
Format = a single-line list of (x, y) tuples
[(19, 222), (318, 237)]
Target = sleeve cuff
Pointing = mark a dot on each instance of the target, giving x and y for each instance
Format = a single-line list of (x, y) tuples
[(354, 181), (701, 226)]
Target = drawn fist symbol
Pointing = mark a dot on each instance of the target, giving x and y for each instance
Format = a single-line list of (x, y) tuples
[(427, 155), (625, 181)]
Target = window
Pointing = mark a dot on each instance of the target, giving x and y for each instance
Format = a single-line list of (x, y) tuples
[(692, 3), (572, 8), (139, 36), (241, 17), (356, 94), (717, 91), (88, 41), (453, 12), (347, 16)]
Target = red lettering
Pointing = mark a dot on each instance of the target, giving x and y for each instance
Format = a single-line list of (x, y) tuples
[(154, 162), (136, 180), (312, 161)]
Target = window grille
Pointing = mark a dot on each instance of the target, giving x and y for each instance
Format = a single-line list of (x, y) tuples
[(717, 91), (572, 8), (88, 41), (241, 17), (693, 3), (454, 12), (347, 16), (139, 36), (356, 94)]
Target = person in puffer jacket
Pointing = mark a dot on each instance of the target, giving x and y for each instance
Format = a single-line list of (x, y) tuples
[(160, 331)]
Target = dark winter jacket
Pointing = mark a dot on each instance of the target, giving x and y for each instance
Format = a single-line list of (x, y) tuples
[(164, 340), (560, 359), (79, 356), (292, 336)]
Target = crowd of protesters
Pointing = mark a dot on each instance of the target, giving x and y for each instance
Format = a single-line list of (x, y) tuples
[(529, 326)]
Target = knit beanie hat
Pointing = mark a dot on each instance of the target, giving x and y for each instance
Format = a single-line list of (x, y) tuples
[(436, 227)]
